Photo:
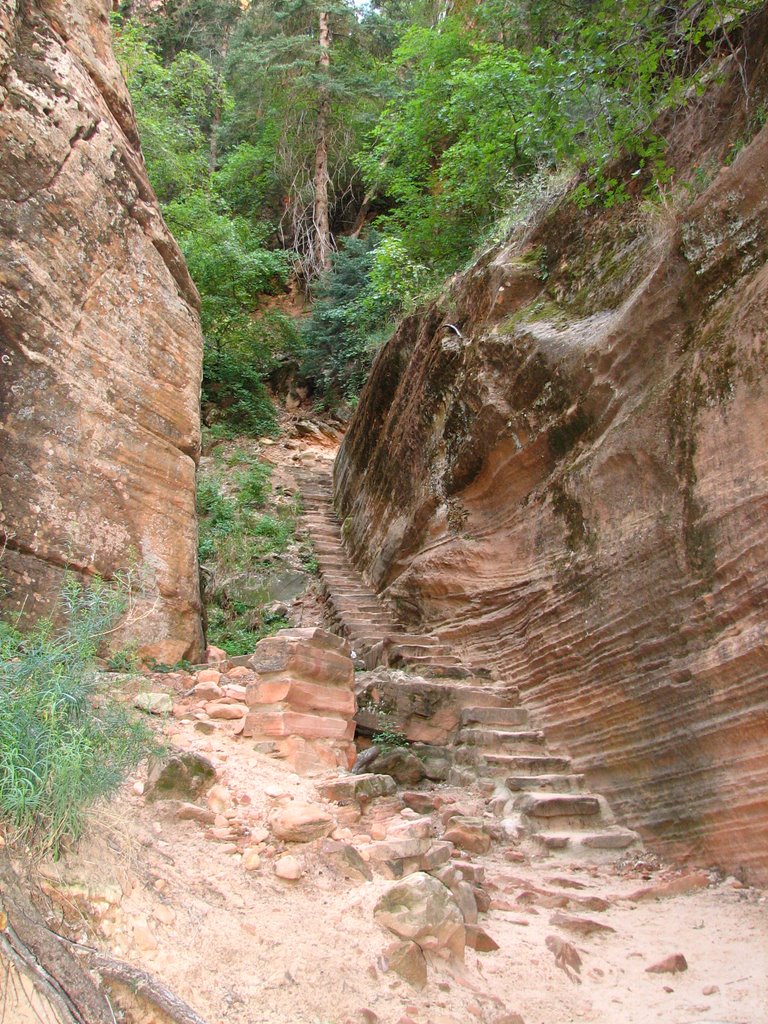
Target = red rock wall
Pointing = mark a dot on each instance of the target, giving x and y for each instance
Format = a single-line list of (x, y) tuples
[(575, 490), (99, 334)]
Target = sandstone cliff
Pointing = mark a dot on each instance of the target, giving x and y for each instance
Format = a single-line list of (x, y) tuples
[(100, 339), (573, 488)]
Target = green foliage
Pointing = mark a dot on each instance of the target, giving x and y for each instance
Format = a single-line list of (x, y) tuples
[(232, 267), (242, 535), (63, 745), (173, 106), (253, 485), (390, 738), (533, 86), (213, 216), (352, 313)]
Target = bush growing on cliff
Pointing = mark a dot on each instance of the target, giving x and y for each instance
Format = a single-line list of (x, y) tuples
[(63, 745)]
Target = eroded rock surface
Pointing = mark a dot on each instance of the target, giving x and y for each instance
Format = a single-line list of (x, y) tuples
[(570, 485), (99, 335)]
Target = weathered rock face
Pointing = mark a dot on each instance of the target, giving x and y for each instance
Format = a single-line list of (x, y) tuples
[(100, 339), (574, 490)]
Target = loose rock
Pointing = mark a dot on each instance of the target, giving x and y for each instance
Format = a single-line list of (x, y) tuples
[(289, 868), (421, 909), (671, 964), (300, 823)]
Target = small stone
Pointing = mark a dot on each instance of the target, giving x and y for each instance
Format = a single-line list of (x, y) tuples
[(710, 990), (289, 868), (164, 914), (138, 788), (579, 925), (468, 834), (566, 956), (407, 960), (207, 691), (184, 776), (213, 655), (675, 887), (192, 812), (154, 703), (219, 799), (346, 860), (479, 939), (275, 792), (669, 965), (209, 675), (422, 803), (225, 712), (251, 859)]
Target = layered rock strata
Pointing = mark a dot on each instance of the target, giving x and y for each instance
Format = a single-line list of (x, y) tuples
[(99, 336), (560, 467), (301, 700)]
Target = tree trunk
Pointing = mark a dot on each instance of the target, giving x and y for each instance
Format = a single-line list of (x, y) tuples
[(59, 975), (213, 142), (322, 253), (36, 952)]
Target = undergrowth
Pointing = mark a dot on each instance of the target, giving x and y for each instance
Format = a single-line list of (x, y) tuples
[(247, 537), (63, 744)]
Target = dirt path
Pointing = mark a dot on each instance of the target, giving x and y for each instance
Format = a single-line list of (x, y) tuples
[(211, 918), (245, 947)]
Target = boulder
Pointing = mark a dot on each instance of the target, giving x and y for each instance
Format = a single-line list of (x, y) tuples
[(403, 765), (300, 823), (422, 910), (183, 776)]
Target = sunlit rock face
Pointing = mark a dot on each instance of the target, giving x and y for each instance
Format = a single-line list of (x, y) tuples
[(571, 484), (100, 337)]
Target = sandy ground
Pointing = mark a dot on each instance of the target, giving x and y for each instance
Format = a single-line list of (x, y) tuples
[(245, 947)]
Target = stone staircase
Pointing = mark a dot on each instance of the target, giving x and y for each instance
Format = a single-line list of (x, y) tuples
[(353, 609), (535, 790)]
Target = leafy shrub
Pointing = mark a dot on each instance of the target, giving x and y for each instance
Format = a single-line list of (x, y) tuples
[(238, 545), (253, 485), (63, 745), (352, 315)]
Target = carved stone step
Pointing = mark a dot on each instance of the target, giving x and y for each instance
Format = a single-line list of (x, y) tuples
[(496, 718), (558, 805), (589, 844), (397, 651), (530, 764), (497, 739), (559, 783)]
